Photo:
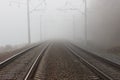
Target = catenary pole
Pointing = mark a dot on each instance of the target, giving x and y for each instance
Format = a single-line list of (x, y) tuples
[(41, 28), (28, 22), (85, 2)]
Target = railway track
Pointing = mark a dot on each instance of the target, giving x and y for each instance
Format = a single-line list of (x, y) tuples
[(32, 71), (59, 64), (10, 59), (70, 63), (20, 65), (103, 68), (110, 62)]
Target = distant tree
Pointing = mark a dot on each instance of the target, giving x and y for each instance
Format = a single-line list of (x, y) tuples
[(8, 47)]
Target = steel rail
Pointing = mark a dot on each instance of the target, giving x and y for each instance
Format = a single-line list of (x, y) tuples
[(30, 74), (97, 71), (114, 64), (12, 58)]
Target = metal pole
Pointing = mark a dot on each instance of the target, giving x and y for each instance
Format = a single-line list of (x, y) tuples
[(41, 27), (85, 21), (28, 19), (74, 36)]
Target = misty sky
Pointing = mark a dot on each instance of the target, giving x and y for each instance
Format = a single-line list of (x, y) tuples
[(13, 26), (57, 21)]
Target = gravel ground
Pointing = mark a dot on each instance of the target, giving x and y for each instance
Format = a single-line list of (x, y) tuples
[(6, 55), (59, 64)]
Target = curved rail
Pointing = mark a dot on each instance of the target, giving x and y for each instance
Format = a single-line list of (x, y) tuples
[(100, 58), (12, 58), (98, 72), (30, 74)]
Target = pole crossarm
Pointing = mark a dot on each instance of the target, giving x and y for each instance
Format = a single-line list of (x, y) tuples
[(34, 9), (38, 6), (28, 13), (69, 7), (16, 2)]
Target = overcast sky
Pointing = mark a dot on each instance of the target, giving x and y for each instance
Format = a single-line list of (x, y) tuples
[(57, 18), (13, 26)]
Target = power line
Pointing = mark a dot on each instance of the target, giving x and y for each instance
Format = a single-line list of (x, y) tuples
[(42, 10), (37, 8), (28, 16), (28, 13), (69, 7)]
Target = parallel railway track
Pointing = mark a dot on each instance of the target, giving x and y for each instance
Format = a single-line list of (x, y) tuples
[(9, 60), (32, 71), (105, 69), (21, 65), (110, 62), (24, 65), (59, 64)]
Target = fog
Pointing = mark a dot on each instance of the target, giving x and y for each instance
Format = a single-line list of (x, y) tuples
[(103, 23), (61, 19)]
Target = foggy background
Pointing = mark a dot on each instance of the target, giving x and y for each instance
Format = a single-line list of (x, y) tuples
[(57, 21)]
